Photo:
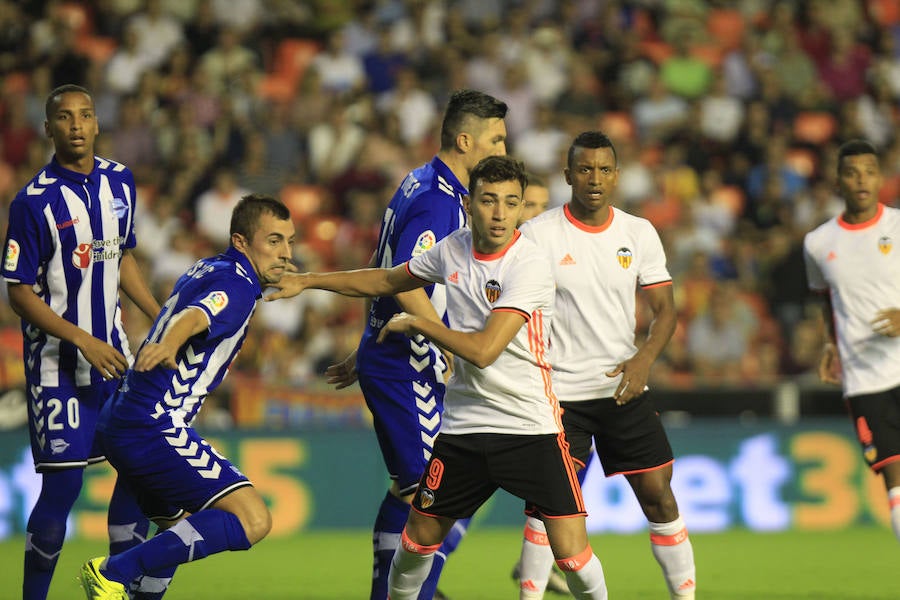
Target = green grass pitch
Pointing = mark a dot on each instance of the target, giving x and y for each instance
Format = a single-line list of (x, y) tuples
[(853, 564)]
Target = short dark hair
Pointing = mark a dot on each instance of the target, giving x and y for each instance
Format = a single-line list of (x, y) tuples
[(495, 169), (590, 139), (465, 103), (52, 99), (245, 216), (535, 179), (854, 148)]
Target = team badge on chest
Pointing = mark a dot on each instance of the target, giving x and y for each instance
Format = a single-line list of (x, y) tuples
[(624, 256), (492, 290), (885, 244)]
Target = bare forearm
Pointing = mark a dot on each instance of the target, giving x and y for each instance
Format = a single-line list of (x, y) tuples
[(187, 323), (658, 335), (32, 309), (363, 282), (134, 285)]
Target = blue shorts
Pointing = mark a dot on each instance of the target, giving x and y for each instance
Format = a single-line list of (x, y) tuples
[(62, 422), (170, 469), (407, 416)]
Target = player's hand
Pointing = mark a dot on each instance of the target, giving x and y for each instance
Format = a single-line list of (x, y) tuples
[(152, 355), (399, 323), (887, 322), (830, 365), (288, 286), (111, 363), (635, 372), (342, 374)]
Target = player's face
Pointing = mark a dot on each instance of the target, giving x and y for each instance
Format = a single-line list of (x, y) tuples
[(593, 176), (859, 182), (495, 210), (269, 250), (73, 127), (489, 140), (535, 201)]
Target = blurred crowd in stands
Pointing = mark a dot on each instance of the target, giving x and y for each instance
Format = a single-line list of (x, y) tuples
[(726, 118)]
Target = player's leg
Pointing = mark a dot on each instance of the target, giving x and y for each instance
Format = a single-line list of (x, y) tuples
[(228, 513), (875, 417), (540, 470), (455, 483), (630, 440), (406, 416), (412, 561), (46, 529), (669, 539)]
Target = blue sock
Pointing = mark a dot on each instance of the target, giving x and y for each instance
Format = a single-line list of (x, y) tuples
[(128, 527), (46, 530), (454, 537), (201, 534), (392, 515)]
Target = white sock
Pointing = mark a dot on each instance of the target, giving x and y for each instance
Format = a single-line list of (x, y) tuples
[(894, 499), (584, 574), (409, 569), (536, 561), (674, 553)]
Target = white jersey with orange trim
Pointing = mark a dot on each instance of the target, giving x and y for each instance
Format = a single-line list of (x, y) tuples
[(597, 271), (859, 266), (514, 394)]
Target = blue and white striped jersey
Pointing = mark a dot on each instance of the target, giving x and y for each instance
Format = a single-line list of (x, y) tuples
[(225, 288), (425, 209), (67, 232)]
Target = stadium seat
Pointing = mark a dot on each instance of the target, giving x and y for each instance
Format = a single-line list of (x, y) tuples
[(885, 12), (303, 200), (98, 49), (814, 127), (292, 58), (802, 160), (726, 26), (618, 125)]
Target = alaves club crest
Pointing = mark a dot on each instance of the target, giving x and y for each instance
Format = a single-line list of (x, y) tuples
[(624, 256), (492, 290)]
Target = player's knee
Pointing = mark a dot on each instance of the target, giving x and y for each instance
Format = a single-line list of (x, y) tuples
[(257, 524)]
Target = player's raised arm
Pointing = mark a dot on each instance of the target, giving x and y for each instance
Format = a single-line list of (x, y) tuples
[(359, 282)]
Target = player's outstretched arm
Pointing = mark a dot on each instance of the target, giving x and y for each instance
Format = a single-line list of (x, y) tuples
[(180, 328), (342, 374), (103, 357), (358, 283), (134, 284), (481, 348)]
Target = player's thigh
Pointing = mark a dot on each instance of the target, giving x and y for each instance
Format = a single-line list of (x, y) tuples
[(62, 423), (876, 418), (457, 479), (628, 438), (171, 469), (539, 470), (567, 535), (406, 416)]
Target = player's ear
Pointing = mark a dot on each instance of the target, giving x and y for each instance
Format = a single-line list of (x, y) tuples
[(463, 142), (240, 242), (467, 201)]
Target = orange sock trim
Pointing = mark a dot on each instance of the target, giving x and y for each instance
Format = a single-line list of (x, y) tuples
[(575, 563), (669, 540), (411, 546), (536, 537), (895, 501)]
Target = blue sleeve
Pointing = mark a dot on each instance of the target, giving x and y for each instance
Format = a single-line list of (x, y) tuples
[(429, 220), (28, 243), (131, 238), (227, 301)]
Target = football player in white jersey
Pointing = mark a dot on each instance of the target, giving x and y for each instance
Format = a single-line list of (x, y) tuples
[(851, 259), (501, 424), (600, 255)]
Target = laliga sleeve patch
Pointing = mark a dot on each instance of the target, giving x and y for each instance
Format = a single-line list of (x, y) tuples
[(12, 256), (425, 242), (215, 302)]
